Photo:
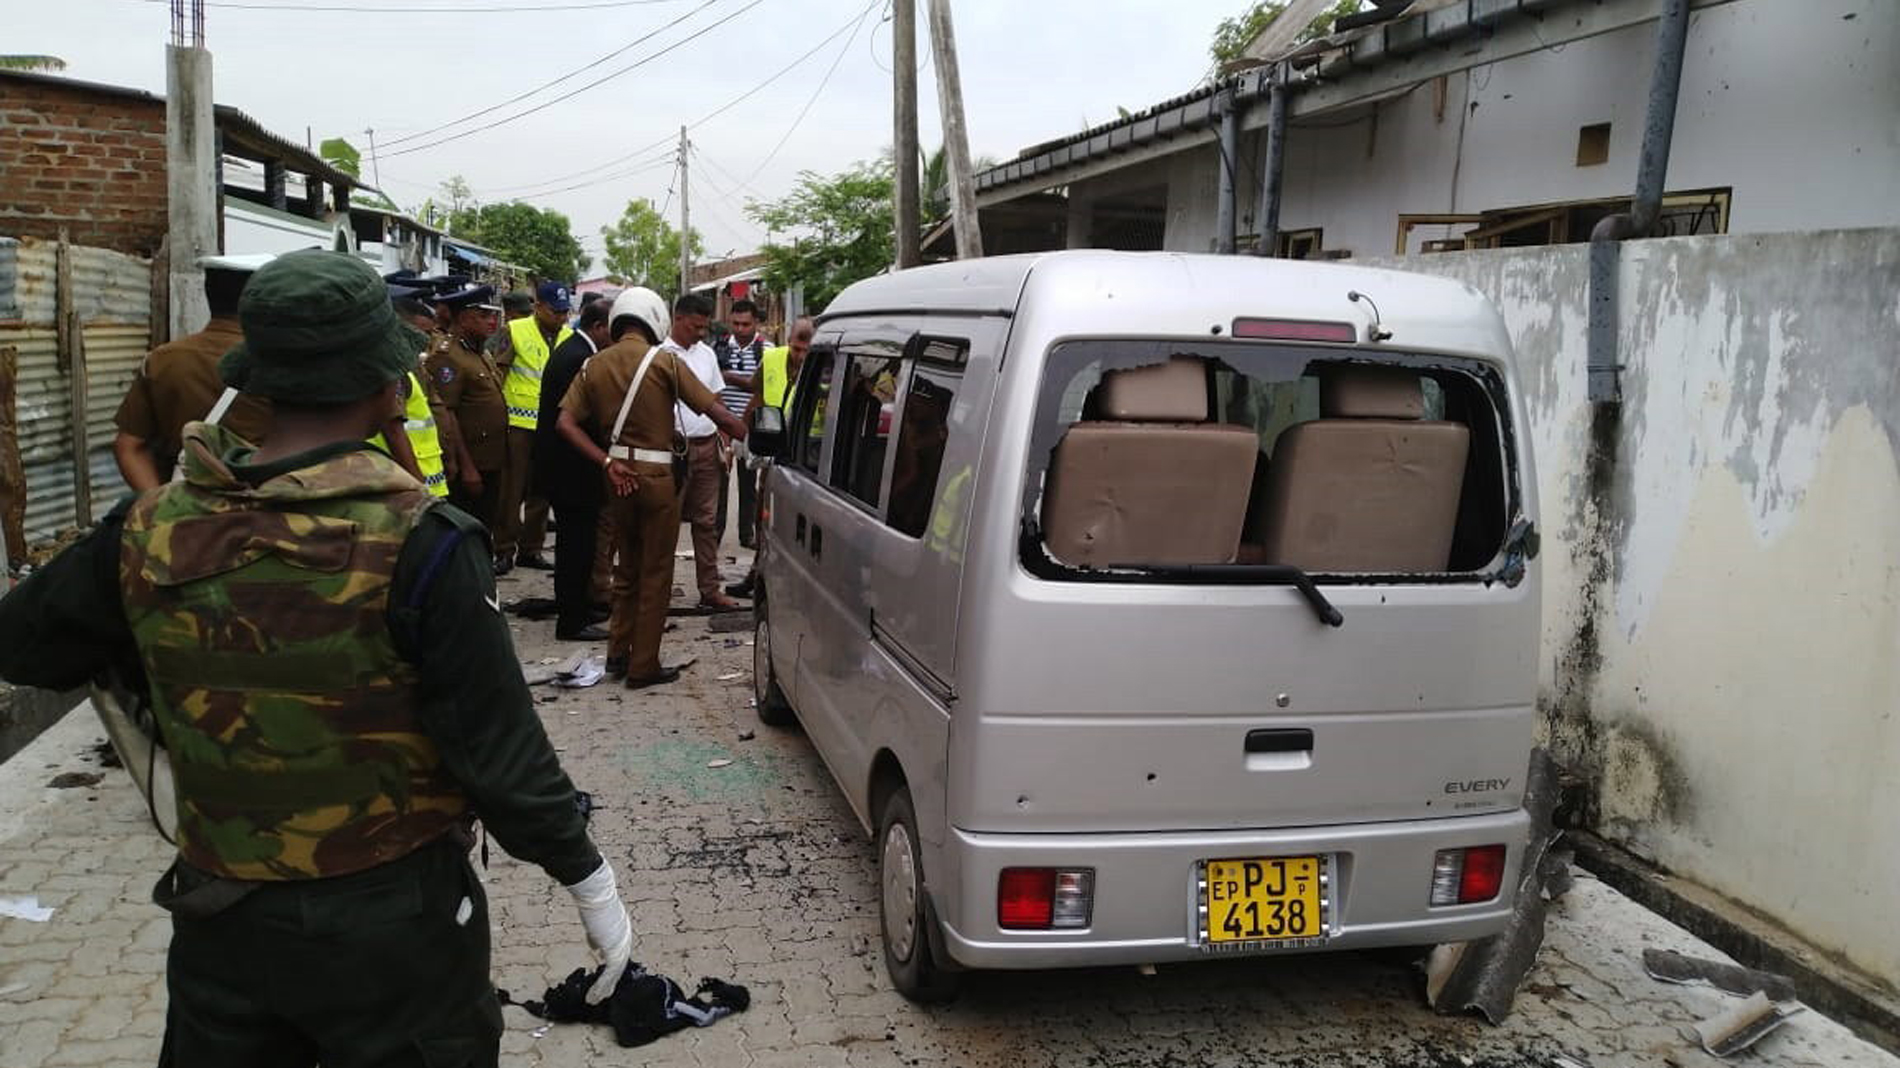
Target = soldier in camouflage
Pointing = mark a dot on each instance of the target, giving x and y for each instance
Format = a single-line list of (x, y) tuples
[(339, 696)]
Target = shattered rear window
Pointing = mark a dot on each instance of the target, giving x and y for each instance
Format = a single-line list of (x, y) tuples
[(1201, 460)]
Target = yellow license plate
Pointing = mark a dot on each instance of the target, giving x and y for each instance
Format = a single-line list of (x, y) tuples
[(1265, 899)]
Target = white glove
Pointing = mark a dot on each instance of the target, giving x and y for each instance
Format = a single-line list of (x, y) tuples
[(609, 931)]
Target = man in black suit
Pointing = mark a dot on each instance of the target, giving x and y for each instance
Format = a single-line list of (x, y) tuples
[(571, 482)]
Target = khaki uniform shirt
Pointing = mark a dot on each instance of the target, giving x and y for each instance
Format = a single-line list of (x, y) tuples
[(595, 396), (178, 383), (469, 384)]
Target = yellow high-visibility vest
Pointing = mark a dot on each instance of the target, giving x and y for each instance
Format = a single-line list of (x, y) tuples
[(773, 378), (522, 388), (419, 423)]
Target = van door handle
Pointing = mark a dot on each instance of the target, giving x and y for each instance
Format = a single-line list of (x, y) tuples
[(1279, 749), (817, 542), (798, 534)]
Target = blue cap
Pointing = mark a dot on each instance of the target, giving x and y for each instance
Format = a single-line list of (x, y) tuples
[(554, 295)]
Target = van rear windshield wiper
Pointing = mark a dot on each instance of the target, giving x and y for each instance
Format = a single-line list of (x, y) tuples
[(1252, 574)]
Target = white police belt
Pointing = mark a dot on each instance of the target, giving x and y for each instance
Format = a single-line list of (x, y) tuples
[(645, 456)]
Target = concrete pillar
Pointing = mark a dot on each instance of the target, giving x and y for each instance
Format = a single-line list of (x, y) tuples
[(191, 169), (1081, 212), (274, 185)]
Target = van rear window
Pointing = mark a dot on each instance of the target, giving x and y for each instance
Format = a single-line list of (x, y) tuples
[(1198, 461)]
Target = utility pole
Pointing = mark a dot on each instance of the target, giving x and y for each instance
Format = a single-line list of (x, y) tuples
[(904, 74), (956, 141), (686, 221), (191, 169), (375, 168)]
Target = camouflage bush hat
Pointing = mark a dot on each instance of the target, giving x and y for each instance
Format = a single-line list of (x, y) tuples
[(318, 329)]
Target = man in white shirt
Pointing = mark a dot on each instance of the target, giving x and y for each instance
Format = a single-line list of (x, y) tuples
[(708, 453)]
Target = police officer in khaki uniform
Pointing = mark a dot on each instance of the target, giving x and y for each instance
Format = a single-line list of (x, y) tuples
[(178, 383), (469, 383), (627, 428)]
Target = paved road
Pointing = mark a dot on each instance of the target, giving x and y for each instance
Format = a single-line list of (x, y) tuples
[(756, 871)]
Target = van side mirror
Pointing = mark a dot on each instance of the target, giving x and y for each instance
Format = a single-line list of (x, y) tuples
[(766, 434)]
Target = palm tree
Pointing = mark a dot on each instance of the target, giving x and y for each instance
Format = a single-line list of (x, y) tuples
[(32, 63), (933, 181)]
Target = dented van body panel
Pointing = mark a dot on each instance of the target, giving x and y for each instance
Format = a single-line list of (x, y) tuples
[(1140, 718)]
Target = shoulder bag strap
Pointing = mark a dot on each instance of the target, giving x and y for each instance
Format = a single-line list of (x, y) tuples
[(626, 405)]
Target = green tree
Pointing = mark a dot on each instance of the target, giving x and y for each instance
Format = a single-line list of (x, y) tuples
[(1233, 35), (342, 155), (535, 238), (32, 63), (934, 180), (644, 250), (836, 230)]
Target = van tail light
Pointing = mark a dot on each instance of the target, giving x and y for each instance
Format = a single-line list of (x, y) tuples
[(1039, 899), (1295, 330), (1467, 876)]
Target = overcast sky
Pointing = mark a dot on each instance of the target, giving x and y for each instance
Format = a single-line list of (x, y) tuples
[(1032, 70)]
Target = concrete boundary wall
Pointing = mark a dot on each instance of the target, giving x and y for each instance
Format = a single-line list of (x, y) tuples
[(1722, 621)]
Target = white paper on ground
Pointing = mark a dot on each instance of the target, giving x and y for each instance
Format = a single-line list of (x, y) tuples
[(25, 908)]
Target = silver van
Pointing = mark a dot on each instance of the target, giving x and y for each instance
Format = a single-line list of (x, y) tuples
[(1150, 607)]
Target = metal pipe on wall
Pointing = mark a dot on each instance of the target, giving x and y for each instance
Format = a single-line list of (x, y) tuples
[(1229, 146), (1267, 219), (1659, 124)]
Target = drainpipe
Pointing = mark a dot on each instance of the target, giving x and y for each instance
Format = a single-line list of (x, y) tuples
[(1672, 32), (1268, 216), (1229, 163)]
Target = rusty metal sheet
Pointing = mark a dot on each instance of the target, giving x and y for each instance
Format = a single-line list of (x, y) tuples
[(108, 287), (43, 402)]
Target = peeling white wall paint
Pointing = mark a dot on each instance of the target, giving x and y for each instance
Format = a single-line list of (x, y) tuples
[(1743, 719)]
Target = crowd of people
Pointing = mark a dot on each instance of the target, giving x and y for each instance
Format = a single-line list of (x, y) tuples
[(522, 406)]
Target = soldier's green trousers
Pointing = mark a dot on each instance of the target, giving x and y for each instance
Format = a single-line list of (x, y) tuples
[(371, 970)]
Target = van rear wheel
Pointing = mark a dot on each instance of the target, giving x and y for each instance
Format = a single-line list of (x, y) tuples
[(774, 709), (905, 922)]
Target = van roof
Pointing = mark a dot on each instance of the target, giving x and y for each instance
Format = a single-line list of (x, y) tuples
[(1091, 286)]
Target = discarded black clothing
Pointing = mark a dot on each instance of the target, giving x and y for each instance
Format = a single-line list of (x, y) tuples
[(643, 1007)]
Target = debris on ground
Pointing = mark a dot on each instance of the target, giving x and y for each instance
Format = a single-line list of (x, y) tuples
[(1484, 976), (578, 670), (26, 908), (1736, 1029), (746, 736), (722, 762), (1673, 967), (644, 1006), (533, 608), (69, 780), (730, 676), (728, 622)]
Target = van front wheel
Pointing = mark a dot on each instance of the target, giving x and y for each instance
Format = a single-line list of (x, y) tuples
[(900, 876), (774, 709)]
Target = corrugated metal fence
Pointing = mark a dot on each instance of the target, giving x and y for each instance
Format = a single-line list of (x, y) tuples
[(112, 294)]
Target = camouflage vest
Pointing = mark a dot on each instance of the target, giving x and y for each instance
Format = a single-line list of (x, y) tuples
[(260, 616)]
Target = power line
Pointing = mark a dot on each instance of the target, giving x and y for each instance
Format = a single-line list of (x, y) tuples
[(813, 99), (672, 138), (726, 196), (570, 94), (509, 9), (517, 98), (730, 177)]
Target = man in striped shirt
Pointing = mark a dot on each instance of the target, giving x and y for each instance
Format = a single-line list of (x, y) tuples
[(739, 353)]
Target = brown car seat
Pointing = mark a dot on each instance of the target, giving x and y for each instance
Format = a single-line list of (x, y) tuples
[(1370, 486), (1147, 480)]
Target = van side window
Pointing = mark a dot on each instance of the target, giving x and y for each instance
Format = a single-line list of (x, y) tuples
[(921, 437), (864, 426), (805, 434)]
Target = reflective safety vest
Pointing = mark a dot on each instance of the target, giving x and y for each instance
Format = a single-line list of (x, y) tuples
[(419, 423), (522, 388), (261, 617), (772, 376)]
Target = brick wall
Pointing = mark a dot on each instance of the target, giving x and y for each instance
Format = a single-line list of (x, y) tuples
[(91, 161)]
